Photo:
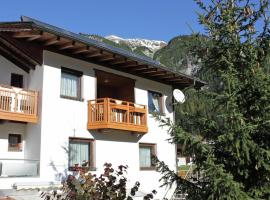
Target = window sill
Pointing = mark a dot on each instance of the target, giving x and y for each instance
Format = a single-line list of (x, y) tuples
[(72, 98), (75, 169), (15, 149), (157, 113), (148, 168)]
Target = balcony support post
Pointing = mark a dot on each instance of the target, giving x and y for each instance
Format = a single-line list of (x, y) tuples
[(128, 114), (106, 109)]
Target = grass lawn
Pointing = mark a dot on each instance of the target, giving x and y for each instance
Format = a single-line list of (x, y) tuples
[(184, 167)]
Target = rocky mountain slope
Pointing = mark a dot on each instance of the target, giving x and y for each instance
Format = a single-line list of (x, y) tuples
[(176, 54)]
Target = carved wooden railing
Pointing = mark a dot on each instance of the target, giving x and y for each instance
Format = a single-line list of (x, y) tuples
[(17, 104), (107, 113)]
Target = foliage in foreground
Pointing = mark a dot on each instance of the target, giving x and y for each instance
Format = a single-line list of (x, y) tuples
[(226, 128), (111, 185)]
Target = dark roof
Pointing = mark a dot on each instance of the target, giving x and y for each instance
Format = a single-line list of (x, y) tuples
[(29, 24)]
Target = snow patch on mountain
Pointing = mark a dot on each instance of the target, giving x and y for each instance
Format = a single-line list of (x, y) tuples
[(152, 45)]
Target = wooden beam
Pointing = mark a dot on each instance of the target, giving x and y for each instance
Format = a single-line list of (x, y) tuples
[(17, 51), (168, 76), (128, 63), (187, 82), (175, 79), (139, 66), (26, 34), (108, 58), (141, 69), (35, 37), (132, 64), (15, 59), (119, 61), (81, 50), (126, 70), (67, 45), (52, 41), (162, 73), (95, 54), (149, 71)]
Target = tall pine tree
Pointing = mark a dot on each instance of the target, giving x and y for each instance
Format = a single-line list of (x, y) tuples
[(226, 128)]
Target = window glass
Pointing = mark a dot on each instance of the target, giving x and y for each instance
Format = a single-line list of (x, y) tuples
[(80, 152), (154, 102), (146, 151), (145, 156), (70, 85)]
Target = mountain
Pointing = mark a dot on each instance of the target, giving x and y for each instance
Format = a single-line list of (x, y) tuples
[(145, 46), (141, 47), (176, 54)]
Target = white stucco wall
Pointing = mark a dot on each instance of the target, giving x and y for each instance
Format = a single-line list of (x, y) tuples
[(33, 131), (6, 68), (32, 81), (30, 132), (63, 118), (7, 128)]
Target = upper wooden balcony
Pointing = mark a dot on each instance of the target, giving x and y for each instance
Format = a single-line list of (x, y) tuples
[(116, 114), (17, 104)]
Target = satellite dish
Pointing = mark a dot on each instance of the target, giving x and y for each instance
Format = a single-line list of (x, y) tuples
[(179, 96)]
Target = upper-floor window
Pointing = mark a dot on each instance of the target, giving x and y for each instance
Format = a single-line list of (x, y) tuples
[(14, 142), (147, 151), (80, 153), (155, 102), (16, 80), (70, 84)]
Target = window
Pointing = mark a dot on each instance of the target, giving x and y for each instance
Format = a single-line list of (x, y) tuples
[(80, 153), (147, 151), (14, 142), (155, 102), (16, 80), (70, 84)]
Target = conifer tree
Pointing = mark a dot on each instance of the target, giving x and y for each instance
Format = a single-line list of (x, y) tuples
[(226, 129)]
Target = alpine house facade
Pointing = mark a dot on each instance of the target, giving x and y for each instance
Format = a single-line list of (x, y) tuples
[(66, 99)]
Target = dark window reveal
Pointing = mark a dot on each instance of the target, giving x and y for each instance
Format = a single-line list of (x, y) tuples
[(155, 101), (14, 142), (16, 80)]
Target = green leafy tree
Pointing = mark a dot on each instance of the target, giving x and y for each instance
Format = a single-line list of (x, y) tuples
[(226, 129)]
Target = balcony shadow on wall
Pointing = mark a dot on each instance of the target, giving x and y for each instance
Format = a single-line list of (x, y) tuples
[(116, 136)]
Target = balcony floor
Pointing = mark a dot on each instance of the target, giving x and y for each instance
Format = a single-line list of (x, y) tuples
[(20, 117)]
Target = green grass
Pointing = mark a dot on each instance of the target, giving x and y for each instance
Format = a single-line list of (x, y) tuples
[(184, 167)]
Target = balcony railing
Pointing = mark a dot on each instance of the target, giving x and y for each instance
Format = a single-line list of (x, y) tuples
[(17, 104), (116, 114)]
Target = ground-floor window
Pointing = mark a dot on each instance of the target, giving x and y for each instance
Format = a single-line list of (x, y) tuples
[(147, 151), (14, 142), (81, 153)]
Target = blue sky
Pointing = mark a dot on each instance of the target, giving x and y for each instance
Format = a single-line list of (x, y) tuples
[(152, 19)]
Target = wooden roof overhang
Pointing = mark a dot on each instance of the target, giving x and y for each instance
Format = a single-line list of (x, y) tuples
[(24, 56), (67, 43)]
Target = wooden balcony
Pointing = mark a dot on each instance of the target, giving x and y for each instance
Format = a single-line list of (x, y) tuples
[(17, 104), (109, 113)]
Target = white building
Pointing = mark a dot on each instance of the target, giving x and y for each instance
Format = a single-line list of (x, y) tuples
[(65, 99)]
